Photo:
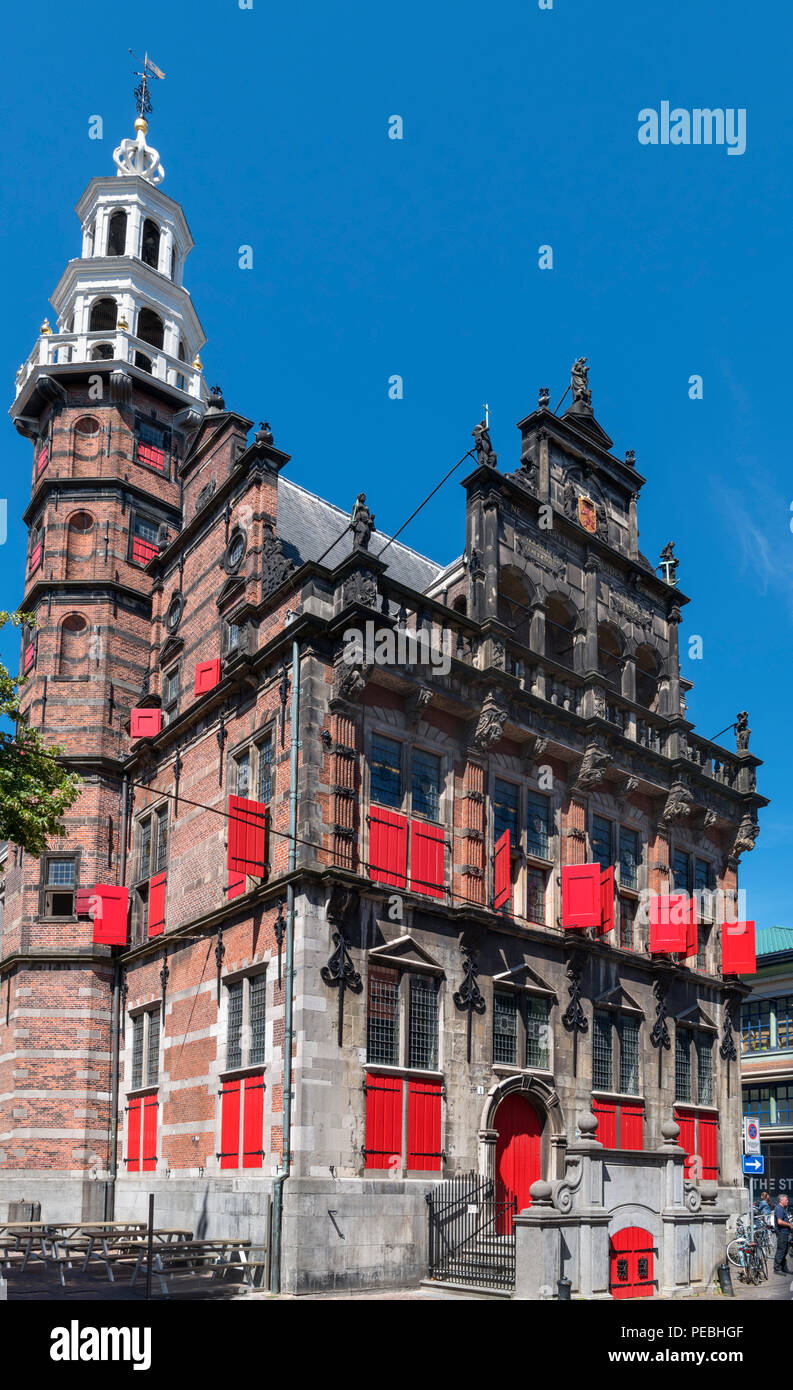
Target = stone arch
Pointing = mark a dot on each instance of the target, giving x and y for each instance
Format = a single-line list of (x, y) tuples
[(611, 654), (73, 647), (543, 1096), (562, 621), (649, 670), (515, 599), (151, 328)]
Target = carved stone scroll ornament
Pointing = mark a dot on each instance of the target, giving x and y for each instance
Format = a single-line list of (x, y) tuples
[(340, 972), (415, 704), (574, 1018), (593, 767), (747, 833), (489, 727), (349, 681), (469, 996), (678, 804), (361, 588)]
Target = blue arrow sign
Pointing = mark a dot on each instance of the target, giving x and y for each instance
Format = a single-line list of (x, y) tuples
[(753, 1163)]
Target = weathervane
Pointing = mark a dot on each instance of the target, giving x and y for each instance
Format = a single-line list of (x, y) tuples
[(149, 69)]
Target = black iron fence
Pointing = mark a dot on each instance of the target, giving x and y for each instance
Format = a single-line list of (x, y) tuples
[(471, 1232)]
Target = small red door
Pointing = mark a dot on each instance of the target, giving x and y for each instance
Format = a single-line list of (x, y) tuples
[(631, 1264), (518, 1158)]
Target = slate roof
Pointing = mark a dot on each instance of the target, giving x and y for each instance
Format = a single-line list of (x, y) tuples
[(307, 525), (769, 940)]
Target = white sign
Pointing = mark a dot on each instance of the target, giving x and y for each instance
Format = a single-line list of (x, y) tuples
[(751, 1136)]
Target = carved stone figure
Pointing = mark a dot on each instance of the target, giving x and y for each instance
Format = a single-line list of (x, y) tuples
[(415, 703), (342, 904), (275, 564), (678, 804), (746, 834), (593, 767), (475, 566), (569, 501), (484, 449), (527, 474), (602, 520), (362, 522), (742, 731), (349, 682), (490, 725), (669, 563), (580, 382)]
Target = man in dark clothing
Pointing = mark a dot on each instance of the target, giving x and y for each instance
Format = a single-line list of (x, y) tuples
[(783, 1228)]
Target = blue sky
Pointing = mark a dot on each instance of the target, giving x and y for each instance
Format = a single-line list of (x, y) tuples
[(420, 257)]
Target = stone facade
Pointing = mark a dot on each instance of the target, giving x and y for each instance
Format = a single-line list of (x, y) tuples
[(561, 689)]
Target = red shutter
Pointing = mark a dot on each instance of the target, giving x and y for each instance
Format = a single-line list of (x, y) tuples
[(30, 656), (737, 949), (253, 1121), (424, 1126), (581, 905), (157, 905), (247, 836), (503, 871), (110, 915), (606, 1133), (207, 676), (692, 936), (230, 1124), (35, 556), (41, 461), (143, 551), (709, 1147), (133, 1136), (383, 1121), (427, 864), (669, 918), (155, 458), (83, 902), (606, 901), (236, 885), (631, 1127), (388, 843), (149, 1134), (145, 723), (687, 1138)]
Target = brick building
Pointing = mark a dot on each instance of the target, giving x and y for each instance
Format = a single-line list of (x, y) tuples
[(401, 828)]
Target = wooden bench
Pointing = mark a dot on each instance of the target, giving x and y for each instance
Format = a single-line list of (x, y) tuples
[(191, 1257)]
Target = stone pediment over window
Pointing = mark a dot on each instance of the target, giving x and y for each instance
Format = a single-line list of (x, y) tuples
[(407, 954), (233, 588), (523, 977), (695, 1017), (171, 647), (619, 998)]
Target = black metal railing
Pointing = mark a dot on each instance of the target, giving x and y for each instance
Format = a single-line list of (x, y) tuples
[(472, 1232)]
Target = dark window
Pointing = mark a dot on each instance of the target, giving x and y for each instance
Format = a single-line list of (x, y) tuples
[(539, 825), (242, 773), (682, 1064), (426, 785), (117, 234), (535, 896), (144, 856), (505, 1029), (256, 1003), (264, 788), (784, 1022), (234, 1031), (150, 244), (386, 771), (602, 849), (59, 890), (423, 1023), (783, 1096), (629, 858), (137, 1052), (506, 798), (382, 1045), (103, 316), (161, 840), (153, 1049), (681, 871), (629, 1054), (170, 695), (627, 923), (537, 1032), (233, 632), (704, 1043), (141, 360), (602, 1054), (153, 442), (151, 328)]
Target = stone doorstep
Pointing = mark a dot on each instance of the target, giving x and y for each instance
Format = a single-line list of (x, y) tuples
[(473, 1290)]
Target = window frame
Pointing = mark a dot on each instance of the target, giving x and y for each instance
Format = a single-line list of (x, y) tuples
[(407, 749), (146, 1083), (142, 423), (47, 889), (404, 976), (617, 1014), (247, 1064), (143, 518), (695, 1034), (524, 996)]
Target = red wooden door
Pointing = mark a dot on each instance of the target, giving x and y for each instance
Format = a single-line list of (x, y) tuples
[(518, 1158), (631, 1266)]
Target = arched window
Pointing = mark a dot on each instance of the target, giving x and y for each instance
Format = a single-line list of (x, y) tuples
[(151, 328), (560, 624), (150, 245), (182, 353), (460, 605), (610, 656), (101, 352), (142, 361), (117, 234), (173, 262), (514, 599), (647, 672), (79, 544), (104, 313), (73, 654)]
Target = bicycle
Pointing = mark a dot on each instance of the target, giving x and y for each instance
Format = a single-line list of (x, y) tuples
[(750, 1257)]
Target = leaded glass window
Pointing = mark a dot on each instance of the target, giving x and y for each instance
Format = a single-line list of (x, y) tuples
[(627, 923), (629, 1054), (535, 896), (682, 1064), (264, 788), (681, 871), (629, 857), (602, 1055), (60, 873), (137, 1052), (386, 771), (705, 1068), (505, 1028), (506, 796), (242, 773), (234, 1030), (426, 785), (153, 1049), (256, 1001), (423, 1023), (382, 1045), (161, 851), (538, 1032), (539, 825), (602, 841)]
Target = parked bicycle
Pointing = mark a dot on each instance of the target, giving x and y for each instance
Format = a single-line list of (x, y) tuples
[(749, 1255)]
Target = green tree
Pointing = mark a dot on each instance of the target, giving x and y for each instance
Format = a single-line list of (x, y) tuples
[(35, 791)]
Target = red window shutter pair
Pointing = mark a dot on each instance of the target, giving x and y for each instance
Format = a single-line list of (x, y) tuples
[(383, 1141), (153, 458), (619, 1126), (149, 1154), (133, 1135), (35, 556), (687, 1138), (673, 923), (110, 915), (247, 840), (587, 897), (243, 1095), (143, 551), (631, 1127), (142, 1134), (427, 858), (606, 1112), (503, 871), (424, 1126), (388, 841), (29, 657), (207, 676), (145, 723), (738, 948), (83, 902), (157, 905), (42, 459), (709, 1147)]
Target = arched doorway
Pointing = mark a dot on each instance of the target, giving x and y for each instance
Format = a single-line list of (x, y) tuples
[(518, 1147), (631, 1263)]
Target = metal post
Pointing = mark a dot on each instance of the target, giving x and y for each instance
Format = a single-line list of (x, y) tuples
[(115, 1022), (150, 1246)]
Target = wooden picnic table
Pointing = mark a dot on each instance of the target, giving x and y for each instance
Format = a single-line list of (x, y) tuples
[(192, 1255)]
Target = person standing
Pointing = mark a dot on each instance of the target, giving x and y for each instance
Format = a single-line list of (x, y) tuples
[(783, 1227), (764, 1207)]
